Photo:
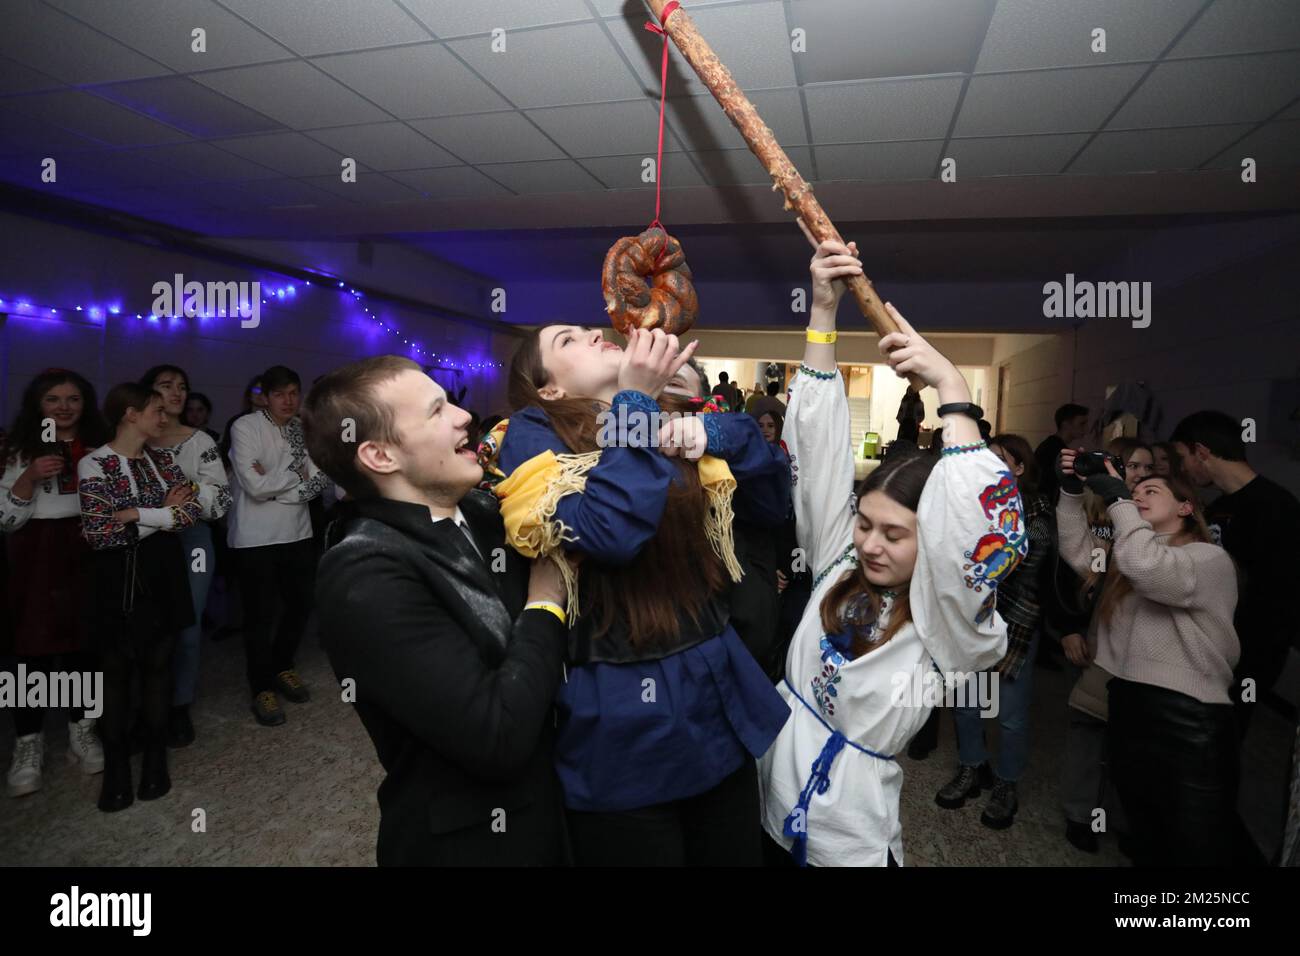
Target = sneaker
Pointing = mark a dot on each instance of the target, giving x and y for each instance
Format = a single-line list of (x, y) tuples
[(291, 686), (1081, 836), (25, 772), (180, 729), (963, 787), (266, 708), (84, 746), (1000, 812)]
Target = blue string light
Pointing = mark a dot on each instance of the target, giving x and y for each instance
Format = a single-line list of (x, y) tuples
[(97, 314)]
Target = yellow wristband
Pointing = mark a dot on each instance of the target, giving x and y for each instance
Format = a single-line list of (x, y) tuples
[(550, 607), (822, 338)]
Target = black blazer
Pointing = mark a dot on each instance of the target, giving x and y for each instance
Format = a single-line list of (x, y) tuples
[(454, 682)]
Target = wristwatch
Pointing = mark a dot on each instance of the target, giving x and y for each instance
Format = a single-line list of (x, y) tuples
[(962, 408)]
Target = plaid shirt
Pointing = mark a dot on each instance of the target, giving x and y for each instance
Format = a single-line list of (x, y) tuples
[(1018, 594)]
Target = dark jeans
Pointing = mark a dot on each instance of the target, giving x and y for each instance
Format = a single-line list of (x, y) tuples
[(275, 576), (30, 720), (1174, 763), (716, 828)]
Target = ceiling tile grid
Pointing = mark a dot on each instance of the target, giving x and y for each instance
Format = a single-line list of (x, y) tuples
[(414, 91)]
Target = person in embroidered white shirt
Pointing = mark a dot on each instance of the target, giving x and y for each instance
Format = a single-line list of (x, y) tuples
[(270, 529), (133, 500), (904, 585), (48, 597), (196, 454)]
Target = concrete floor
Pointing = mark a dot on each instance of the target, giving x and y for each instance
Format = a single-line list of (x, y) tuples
[(303, 794)]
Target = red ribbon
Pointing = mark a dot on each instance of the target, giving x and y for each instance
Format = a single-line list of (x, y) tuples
[(653, 27)]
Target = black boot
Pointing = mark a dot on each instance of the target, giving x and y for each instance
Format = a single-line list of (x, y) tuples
[(115, 791), (154, 781), (180, 730)]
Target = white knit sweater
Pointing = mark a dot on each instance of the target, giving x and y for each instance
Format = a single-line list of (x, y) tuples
[(1174, 629)]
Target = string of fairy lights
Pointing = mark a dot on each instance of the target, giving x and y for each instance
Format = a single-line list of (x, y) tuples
[(273, 294)]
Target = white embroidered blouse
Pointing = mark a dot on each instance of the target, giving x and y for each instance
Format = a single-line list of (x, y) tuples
[(200, 459), (970, 534)]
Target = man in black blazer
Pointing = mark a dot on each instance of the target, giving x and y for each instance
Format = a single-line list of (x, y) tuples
[(447, 642)]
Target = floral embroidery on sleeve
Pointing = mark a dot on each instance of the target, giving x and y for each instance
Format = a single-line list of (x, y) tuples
[(1003, 545)]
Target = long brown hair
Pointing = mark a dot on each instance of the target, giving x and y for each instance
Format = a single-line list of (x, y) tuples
[(1117, 586), (678, 559), (902, 479)]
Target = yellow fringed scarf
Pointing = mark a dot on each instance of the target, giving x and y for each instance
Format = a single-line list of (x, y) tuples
[(530, 495)]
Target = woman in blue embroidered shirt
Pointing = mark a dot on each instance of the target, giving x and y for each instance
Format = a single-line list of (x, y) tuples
[(663, 710), (905, 581)]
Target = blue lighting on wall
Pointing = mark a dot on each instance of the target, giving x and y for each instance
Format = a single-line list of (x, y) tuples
[(97, 314)]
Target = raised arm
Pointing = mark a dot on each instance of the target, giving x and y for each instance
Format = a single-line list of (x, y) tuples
[(970, 522), (817, 418)]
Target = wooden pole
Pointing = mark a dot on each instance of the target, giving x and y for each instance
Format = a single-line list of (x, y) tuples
[(799, 196)]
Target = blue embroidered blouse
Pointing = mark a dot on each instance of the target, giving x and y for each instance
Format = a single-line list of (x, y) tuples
[(637, 734)]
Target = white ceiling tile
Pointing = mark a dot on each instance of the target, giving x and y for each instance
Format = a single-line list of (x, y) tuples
[(293, 93), (702, 124), (552, 67), (1054, 101), (16, 78), (414, 81), (624, 172), (924, 38), (597, 129), (461, 19), (290, 153), (733, 167), (882, 110), (205, 162), (637, 10), (385, 146), (47, 40), (877, 162), (1242, 26), (552, 176), (1152, 151), (1013, 155), (1041, 34), (189, 106), (751, 40), (370, 189), (1275, 147), (451, 182), (97, 119), (489, 138), (24, 132), (309, 27), (1234, 89), (163, 29)]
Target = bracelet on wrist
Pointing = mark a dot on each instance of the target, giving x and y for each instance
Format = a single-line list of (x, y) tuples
[(550, 607), (821, 338)]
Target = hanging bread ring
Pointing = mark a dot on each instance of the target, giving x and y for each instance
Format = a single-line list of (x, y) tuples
[(647, 284)]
